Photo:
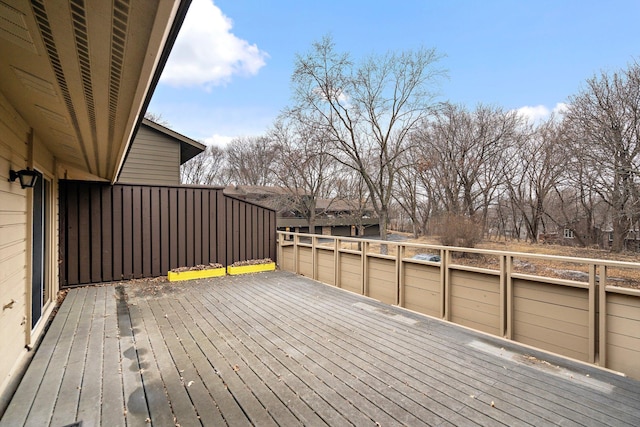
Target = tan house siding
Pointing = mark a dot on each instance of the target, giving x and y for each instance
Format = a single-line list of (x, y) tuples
[(15, 242), (154, 159)]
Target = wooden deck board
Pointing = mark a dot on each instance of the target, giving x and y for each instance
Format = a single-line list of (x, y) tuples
[(66, 406), (355, 356), (198, 349), (349, 383), (89, 408), (295, 390), (154, 397), (41, 412), (206, 412), (298, 408), (490, 375), (181, 404), (278, 349), (137, 402), (226, 364), (113, 406), (451, 383), (294, 373), (274, 370), (18, 410)]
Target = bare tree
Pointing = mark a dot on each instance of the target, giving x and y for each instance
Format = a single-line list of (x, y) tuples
[(463, 155), (156, 118), (303, 162), (414, 191), (207, 168), (604, 124), (367, 109), (350, 188), (250, 160), (537, 168)]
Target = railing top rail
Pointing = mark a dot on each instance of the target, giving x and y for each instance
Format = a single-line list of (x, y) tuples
[(608, 263)]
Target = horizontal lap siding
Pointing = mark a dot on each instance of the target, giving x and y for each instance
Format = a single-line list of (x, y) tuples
[(422, 288), (382, 279), (14, 262), (351, 272), (287, 262), (325, 261), (305, 261), (623, 334), (152, 160), (475, 300), (552, 317), (121, 232)]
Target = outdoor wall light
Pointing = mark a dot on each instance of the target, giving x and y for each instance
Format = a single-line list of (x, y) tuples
[(27, 177)]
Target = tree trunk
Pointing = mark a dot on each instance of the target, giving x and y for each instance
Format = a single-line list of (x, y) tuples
[(382, 222), (383, 230), (312, 217), (619, 233)]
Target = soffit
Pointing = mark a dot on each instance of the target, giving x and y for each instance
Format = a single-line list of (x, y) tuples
[(78, 72)]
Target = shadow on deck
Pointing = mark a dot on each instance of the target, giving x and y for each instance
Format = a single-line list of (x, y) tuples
[(280, 349)]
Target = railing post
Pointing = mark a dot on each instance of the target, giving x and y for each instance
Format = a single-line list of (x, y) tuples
[(365, 276), (279, 253), (445, 285), (509, 302), (602, 301), (503, 296), (592, 313), (314, 259), (336, 262), (399, 275), (296, 268)]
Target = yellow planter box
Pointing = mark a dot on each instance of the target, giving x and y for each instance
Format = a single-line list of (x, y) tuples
[(244, 269), (196, 274)]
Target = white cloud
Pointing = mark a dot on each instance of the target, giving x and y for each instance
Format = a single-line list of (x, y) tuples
[(560, 108), (218, 140), (534, 114), (207, 53), (540, 113)]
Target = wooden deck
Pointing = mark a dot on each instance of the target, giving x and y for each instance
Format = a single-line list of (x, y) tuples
[(279, 349)]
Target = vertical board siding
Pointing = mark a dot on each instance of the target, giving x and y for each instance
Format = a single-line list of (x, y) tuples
[(552, 317), (623, 334), (121, 232)]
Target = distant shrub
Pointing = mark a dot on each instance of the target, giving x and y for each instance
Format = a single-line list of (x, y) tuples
[(461, 231)]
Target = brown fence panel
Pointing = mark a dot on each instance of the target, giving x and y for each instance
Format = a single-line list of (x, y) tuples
[(115, 232), (251, 231)]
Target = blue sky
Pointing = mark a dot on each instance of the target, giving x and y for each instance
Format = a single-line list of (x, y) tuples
[(229, 73)]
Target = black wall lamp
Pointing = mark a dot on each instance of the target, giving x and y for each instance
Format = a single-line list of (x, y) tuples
[(27, 177)]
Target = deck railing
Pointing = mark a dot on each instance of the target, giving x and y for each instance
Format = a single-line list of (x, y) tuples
[(586, 309)]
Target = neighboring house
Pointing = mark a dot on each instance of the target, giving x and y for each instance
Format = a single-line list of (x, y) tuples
[(333, 216), (631, 240), (156, 154), (75, 80)]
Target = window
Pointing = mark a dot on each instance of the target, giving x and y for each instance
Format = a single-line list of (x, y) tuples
[(568, 233)]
